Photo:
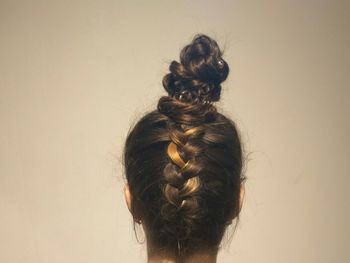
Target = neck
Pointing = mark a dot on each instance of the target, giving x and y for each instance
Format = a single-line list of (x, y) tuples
[(155, 255), (196, 258)]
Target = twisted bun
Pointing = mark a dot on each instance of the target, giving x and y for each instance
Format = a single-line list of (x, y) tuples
[(183, 161), (201, 70)]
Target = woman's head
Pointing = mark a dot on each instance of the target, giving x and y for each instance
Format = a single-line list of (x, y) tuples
[(183, 160)]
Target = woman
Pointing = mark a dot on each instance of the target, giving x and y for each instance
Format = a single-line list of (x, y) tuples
[(183, 162)]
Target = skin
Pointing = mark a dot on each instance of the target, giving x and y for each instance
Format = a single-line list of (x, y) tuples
[(197, 258)]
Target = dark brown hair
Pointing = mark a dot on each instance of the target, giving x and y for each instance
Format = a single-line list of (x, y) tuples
[(186, 209)]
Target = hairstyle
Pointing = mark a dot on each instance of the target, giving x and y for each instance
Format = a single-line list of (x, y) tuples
[(183, 161)]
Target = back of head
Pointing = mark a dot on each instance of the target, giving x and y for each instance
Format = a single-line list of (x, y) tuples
[(183, 160)]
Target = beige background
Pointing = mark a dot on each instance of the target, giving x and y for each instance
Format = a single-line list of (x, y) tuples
[(74, 75)]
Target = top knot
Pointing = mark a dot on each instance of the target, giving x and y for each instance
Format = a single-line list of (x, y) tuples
[(198, 76)]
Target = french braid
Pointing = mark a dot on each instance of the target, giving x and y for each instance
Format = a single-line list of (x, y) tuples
[(179, 186), (185, 146)]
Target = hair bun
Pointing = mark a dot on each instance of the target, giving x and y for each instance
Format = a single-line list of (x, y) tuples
[(198, 76)]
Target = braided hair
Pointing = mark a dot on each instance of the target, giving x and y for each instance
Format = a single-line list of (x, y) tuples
[(183, 161)]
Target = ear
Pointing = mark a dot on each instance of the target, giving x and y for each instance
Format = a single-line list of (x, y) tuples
[(241, 196), (128, 199), (127, 196)]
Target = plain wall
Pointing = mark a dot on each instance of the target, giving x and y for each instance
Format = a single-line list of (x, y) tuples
[(74, 75)]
